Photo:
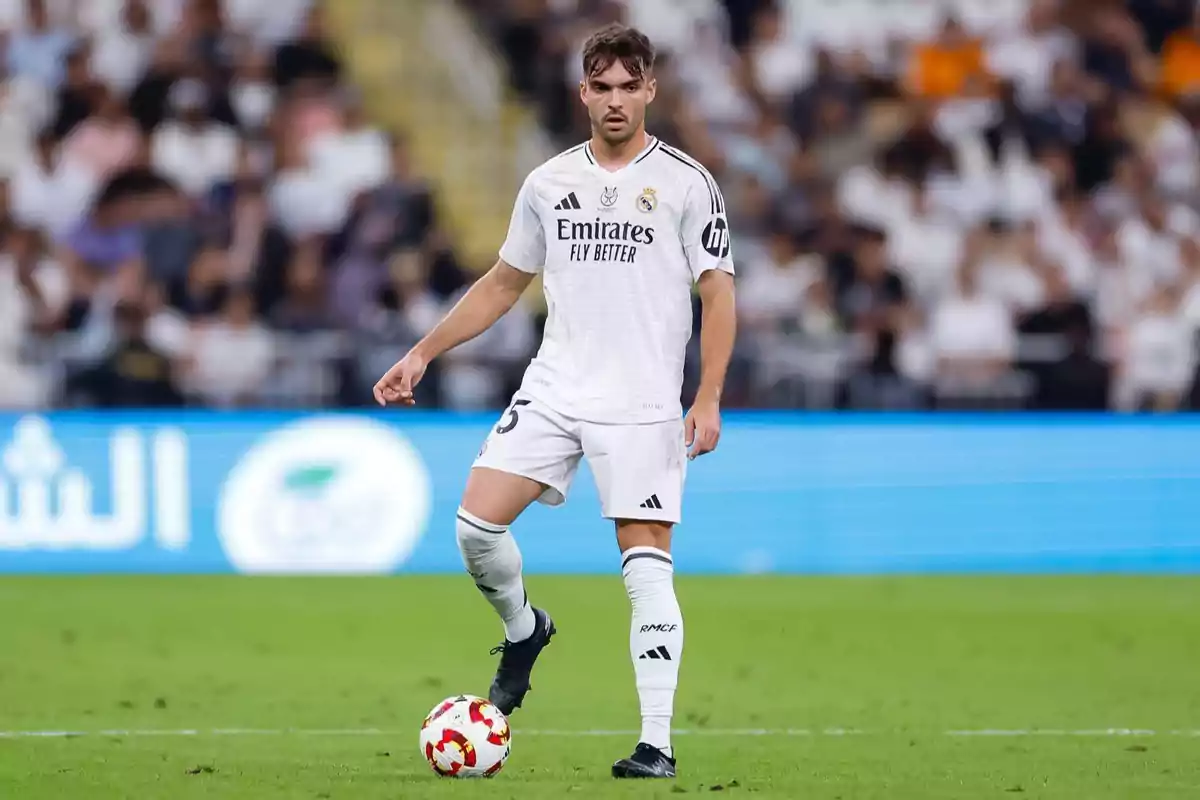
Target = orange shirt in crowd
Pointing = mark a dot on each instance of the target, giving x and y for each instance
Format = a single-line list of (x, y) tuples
[(940, 72), (1180, 68)]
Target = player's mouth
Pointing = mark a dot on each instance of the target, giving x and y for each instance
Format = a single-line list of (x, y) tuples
[(614, 119)]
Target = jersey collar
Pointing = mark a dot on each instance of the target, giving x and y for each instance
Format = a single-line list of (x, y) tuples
[(650, 147)]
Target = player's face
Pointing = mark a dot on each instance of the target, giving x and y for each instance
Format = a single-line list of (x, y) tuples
[(616, 102)]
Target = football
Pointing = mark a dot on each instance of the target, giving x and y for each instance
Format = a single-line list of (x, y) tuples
[(465, 737)]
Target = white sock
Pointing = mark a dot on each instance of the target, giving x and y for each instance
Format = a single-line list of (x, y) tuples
[(655, 638), (491, 555)]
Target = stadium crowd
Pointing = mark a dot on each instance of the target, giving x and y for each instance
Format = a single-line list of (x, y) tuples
[(197, 211), (934, 205)]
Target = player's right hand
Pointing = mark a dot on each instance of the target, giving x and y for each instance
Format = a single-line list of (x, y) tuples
[(396, 386)]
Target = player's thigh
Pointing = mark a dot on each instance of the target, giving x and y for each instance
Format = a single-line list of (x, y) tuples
[(499, 497), (643, 533), (639, 470), (532, 453)]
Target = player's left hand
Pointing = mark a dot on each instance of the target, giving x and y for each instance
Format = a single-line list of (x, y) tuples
[(702, 428)]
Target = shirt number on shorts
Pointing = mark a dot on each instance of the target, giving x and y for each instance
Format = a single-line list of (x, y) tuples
[(505, 427)]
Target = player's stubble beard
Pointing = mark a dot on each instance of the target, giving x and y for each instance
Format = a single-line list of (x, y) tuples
[(632, 125)]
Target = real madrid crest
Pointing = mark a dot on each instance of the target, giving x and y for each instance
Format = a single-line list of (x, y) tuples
[(647, 201)]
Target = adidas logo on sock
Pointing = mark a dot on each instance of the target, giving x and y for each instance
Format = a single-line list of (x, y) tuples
[(660, 653), (568, 203), (652, 502)]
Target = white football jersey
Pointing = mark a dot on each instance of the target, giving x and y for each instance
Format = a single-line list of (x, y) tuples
[(619, 253)]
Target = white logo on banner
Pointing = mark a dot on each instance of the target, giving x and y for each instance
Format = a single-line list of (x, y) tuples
[(325, 495), (45, 503)]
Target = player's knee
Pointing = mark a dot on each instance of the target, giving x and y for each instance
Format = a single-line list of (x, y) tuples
[(643, 533), (477, 536)]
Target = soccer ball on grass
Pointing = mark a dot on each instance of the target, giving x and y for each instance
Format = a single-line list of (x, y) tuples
[(465, 737)]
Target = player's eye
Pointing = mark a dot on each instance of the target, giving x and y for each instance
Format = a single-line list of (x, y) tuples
[(600, 88), (632, 87)]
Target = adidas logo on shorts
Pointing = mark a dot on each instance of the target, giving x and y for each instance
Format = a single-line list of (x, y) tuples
[(652, 502)]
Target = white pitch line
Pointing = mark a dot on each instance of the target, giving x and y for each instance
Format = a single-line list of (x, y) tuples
[(1084, 732), (705, 732)]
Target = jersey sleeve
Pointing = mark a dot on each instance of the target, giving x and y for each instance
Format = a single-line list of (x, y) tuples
[(525, 246), (705, 228)]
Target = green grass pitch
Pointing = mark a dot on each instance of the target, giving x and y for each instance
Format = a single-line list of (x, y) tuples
[(315, 688)]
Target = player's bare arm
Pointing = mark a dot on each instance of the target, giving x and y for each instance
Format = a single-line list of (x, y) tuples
[(718, 328), (489, 299)]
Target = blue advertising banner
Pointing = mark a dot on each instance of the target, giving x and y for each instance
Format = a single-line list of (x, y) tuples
[(376, 493)]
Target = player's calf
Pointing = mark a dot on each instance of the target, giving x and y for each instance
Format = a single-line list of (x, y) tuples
[(655, 640), (493, 560)]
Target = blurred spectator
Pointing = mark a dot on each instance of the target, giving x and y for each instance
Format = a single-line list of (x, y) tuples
[(232, 355), (205, 290), (309, 56), (780, 67), (1174, 152), (871, 299), (1029, 57), (1150, 237), (192, 149), (1160, 18), (974, 338), (202, 29), (303, 203), (1013, 266), (1158, 360), (925, 247), (773, 289), (354, 159), (1114, 52), (48, 192), (123, 50), (1078, 382), (1061, 114), (304, 307), (106, 242), (252, 94), (76, 93), (827, 84), (38, 49), (107, 141), (25, 107), (133, 373), (951, 65), (167, 330), (1103, 145), (32, 293), (1180, 64)]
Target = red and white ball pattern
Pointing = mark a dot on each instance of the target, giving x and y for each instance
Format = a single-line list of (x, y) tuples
[(465, 737)]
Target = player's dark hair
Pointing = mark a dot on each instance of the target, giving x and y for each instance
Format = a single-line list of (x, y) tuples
[(617, 42)]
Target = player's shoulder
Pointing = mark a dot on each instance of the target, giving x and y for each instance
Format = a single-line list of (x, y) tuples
[(549, 178), (684, 170), (572, 159)]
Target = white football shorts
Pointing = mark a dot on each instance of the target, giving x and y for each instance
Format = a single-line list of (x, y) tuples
[(639, 469)]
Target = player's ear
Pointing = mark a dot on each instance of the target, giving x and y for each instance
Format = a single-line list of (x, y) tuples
[(583, 92), (651, 89)]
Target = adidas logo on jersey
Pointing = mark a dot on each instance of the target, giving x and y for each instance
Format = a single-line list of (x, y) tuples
[(568, 203)]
